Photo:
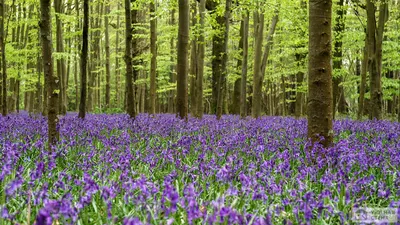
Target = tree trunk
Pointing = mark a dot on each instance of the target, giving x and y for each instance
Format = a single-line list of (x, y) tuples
[(236, 87), (52, 86), (3, 59), (257, 80), (172, 78), (338, 92), (269, 43), (84, 55), (320, 101), (193, 60), (61, 69), (182, 70), (375, 38), (200, 62), (108, 69), (224, 59), (243, 80), (130, 100), (117, 70), (153, 50), (364, 67)]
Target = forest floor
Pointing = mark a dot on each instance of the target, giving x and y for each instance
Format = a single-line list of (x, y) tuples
[(108, 169)]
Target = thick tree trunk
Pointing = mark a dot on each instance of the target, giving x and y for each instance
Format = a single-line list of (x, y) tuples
[(243, 80), (375, 38), (257, 80), (130, 98), (52, 86), (153, 50), (320, 101), (84, 55), (3, 59), (182, 70), (200, 63), (108, 66)]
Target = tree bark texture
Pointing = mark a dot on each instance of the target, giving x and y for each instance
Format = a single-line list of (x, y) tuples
[(52, 81), (182, 65), (257, 79), (319, 105)]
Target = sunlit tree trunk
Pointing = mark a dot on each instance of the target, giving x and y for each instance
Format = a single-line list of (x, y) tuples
[(153, 49)]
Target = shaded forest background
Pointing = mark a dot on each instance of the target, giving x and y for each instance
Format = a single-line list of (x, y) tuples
[(233, 37)]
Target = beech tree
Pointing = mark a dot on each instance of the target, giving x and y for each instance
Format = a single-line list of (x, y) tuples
[(320, 72), (130, 98), (52, 81), (182, 65), (84, 55)]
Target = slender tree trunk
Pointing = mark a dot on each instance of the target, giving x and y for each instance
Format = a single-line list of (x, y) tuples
[(193, 60), (61, 69), (3, 58), (172, 78), (320, 101), (236, 87), (364, 67), (153, 49), (107, 43), (224, 55), (117, 70), (52, 85), (243, 80), (338, 93), (128, 60), (84, 55), (182, 70), (269, 43), (200, 62), (257, 81)]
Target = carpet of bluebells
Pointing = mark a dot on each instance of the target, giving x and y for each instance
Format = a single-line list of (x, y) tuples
[(109, 169)]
